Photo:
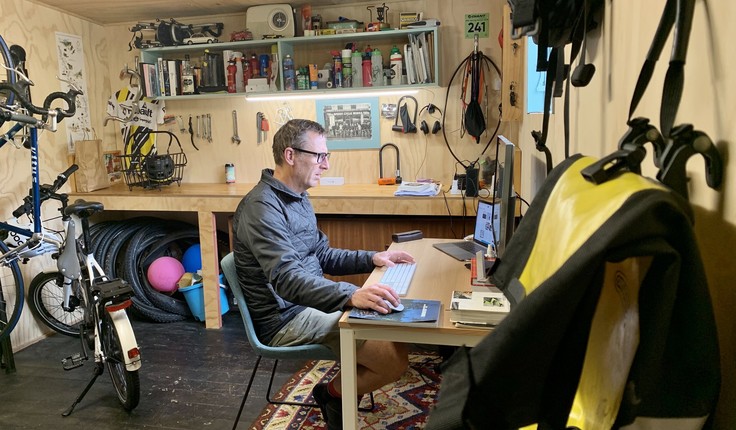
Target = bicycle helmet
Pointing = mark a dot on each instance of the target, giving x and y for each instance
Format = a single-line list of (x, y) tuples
[(159, 168)]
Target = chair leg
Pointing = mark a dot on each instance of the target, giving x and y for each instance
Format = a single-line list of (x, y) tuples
[(247, 390), (278, 402)]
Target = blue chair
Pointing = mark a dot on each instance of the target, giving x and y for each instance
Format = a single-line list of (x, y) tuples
[(299, 352)]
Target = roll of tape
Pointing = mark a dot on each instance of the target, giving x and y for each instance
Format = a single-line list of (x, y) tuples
[(329, 84)]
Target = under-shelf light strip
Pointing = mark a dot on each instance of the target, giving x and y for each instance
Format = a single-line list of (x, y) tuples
[(327, 94)]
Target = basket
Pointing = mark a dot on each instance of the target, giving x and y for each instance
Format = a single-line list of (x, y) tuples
[(153, 170)]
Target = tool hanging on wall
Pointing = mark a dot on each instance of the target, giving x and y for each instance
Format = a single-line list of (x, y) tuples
[(235, 139), (191, 133)]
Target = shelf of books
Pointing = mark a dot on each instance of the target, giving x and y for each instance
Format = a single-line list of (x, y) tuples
[(366, 61)]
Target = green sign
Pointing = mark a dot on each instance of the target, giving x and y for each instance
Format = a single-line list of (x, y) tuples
[(476, 23)]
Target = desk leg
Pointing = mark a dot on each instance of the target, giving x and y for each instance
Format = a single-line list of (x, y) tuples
[(210, 268), (348, 369)]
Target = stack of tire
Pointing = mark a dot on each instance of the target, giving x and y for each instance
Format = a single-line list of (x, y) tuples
[(127, 249)]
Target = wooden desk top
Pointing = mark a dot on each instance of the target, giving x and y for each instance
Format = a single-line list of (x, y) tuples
[(351, 199), (437, 275)]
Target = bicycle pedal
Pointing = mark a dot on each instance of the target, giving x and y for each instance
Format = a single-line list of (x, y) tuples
[(73, 361)]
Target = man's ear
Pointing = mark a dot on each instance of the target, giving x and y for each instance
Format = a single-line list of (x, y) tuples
[(289, 155)]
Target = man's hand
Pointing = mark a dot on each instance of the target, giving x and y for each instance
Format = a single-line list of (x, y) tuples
[(390, 258), (374, 297)]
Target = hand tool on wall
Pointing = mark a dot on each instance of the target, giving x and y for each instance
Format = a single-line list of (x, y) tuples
[(265, 127), (259, 124), (236, 138), (191, 133)]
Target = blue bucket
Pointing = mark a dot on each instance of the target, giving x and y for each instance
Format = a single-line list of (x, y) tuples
[(194, 295)]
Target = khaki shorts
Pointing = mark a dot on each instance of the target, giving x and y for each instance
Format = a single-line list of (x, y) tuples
[(312, 326)]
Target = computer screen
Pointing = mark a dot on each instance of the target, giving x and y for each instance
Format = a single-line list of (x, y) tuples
[(503, 194)]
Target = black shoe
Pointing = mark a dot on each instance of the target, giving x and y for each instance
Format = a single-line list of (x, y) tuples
[(330, 406)]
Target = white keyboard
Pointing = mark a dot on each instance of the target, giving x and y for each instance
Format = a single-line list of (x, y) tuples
[(399, 277)]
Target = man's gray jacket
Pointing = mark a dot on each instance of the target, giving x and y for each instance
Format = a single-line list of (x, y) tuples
[(281, 257)]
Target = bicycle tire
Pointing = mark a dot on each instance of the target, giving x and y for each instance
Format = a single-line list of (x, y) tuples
[(45, 299), (103, 245), (142, 307), (6, 75), (113, 264), (126, 382), (11, 295)]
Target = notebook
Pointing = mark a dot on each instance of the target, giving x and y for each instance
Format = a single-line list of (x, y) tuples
[(483, 235)]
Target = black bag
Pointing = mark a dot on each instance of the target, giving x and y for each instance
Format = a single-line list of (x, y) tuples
[(554, 24)]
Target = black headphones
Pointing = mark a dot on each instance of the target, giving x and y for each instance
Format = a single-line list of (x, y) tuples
[(430, 108)]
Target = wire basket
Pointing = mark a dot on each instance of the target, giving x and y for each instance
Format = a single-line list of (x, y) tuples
[(154, 170)]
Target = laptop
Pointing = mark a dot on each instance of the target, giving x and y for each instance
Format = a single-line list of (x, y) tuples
[(484, 233)]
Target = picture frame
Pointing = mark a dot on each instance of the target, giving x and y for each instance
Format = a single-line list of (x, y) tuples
[(350, 123), (114, 166)]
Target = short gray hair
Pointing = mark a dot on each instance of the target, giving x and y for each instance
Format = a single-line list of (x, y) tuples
[(293, 135)]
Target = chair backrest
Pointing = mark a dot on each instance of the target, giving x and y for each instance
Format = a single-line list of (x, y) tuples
[(320, 352)]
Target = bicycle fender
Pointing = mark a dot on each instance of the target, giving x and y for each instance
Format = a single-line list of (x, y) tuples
[(127, 338)]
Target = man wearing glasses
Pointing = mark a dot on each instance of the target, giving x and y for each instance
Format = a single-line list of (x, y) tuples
[(281, 257)]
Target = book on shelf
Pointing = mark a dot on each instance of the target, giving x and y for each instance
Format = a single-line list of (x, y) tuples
[(416, 313), (478, 307)]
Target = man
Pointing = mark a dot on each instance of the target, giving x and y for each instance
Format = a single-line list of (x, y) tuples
[(281, 256)]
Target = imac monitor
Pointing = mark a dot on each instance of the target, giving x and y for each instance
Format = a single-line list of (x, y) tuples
[(503, 194), (494, 222)]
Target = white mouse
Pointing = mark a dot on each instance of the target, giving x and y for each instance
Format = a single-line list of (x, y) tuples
[(393, 308)]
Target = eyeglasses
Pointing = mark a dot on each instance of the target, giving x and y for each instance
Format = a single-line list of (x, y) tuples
[(321, 156)]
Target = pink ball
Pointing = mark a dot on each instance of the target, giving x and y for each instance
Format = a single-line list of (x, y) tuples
[(164, 273)]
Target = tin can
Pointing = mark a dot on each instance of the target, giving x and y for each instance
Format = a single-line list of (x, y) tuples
[(229, 173)]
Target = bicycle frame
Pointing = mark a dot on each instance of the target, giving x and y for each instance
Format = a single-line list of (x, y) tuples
[(69, 264), (37, 235)]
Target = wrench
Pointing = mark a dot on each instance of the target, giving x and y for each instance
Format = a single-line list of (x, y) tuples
[(236, 138)]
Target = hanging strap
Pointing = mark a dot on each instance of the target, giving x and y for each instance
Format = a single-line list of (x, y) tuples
[(680, 14)]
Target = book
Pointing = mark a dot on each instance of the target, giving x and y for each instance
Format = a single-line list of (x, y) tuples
[(477, 307), (416, 313)]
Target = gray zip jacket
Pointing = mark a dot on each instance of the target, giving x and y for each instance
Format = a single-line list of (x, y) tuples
[(281, 257)]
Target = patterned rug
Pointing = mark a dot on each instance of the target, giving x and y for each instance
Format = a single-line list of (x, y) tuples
[(402, 405)]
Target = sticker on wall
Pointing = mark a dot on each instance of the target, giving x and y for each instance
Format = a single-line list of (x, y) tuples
[(71, 67), (476, 24)]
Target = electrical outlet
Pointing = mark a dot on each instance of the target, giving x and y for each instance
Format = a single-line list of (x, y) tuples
[(332, 180)]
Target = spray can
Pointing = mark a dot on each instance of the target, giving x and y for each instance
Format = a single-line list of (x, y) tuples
[(377, 67), (396, 65), (289, 74), (231, 71), (355, 60), (265, 59), (229, 173), (347, 68), (254, 70), (246, 71), (336, 69)]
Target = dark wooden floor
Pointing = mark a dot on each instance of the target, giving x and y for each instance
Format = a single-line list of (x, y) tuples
[(191, 378)]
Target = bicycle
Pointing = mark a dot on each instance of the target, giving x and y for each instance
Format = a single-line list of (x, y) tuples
[(105, 329)]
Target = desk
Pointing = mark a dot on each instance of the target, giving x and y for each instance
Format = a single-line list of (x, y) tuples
[(436, 276), (208, 199)]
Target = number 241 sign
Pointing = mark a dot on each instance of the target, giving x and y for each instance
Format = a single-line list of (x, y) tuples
[(476, 24)]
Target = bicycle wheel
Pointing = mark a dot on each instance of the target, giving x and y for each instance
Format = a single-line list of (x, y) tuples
[(11, 295), (45, 299), (6, 97), (127, 383)]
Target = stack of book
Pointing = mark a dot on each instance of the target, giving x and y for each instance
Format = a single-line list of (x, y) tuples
[(478, 309)]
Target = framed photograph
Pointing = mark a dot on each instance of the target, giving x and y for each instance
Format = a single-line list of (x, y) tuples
[(350, 123), (114, 166)]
